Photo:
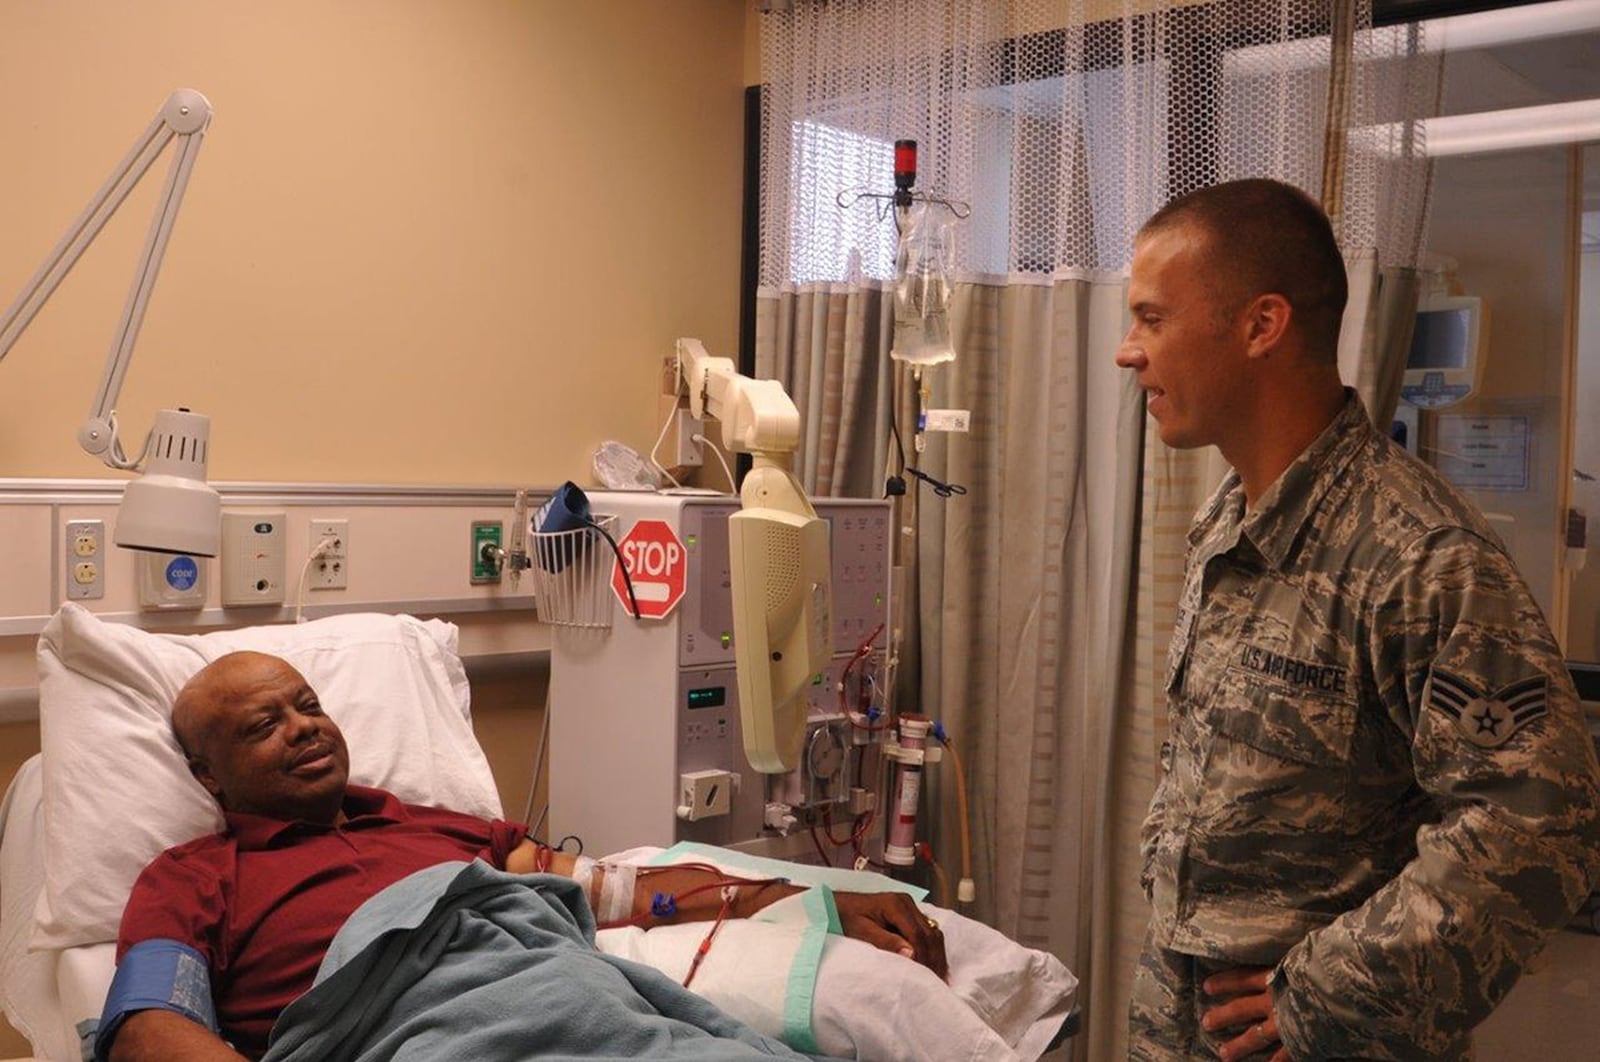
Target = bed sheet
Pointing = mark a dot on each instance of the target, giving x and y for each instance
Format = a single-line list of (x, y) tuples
[(44, 993), (866, 1005)]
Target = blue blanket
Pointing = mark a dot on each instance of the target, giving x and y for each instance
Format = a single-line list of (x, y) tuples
[(462, 961)]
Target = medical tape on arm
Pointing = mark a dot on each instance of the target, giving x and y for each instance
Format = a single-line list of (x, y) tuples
[(157, 975), (583, 874), (616, 892)]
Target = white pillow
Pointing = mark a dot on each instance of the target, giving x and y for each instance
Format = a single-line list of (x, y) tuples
[(117, 791)]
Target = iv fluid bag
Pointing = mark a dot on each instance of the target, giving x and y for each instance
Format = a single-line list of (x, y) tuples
[(923, 266)]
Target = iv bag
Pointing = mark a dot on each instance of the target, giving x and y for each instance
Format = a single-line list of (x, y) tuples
[(923, 265)]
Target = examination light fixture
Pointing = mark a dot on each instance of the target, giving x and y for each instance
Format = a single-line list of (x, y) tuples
[(170, 508)]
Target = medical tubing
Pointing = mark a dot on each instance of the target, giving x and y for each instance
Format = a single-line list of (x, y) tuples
[(827, 828), (711, 934), (858, 828), (925, 850), (862, 650), (865, 860), (818, 842), (538, 763), (868, 726), (965, 892)]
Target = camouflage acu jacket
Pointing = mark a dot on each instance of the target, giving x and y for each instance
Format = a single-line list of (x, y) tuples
[(1378, 777)]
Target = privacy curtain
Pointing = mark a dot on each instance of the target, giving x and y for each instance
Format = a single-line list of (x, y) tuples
[(1036, 605)]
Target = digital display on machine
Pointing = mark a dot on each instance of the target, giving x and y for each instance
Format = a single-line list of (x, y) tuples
[(708, 697), (1441, 340)]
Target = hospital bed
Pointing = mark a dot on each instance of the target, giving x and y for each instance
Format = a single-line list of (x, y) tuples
[(110, 790)]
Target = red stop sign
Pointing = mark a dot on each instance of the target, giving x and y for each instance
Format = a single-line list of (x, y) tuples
[(658, 565)]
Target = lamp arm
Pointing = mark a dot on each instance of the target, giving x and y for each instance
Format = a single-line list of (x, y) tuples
[(185, 115), (757, 416), (145, 272)]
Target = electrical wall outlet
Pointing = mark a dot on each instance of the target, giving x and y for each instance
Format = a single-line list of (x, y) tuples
[(687, 452), (86, 562), (331, 571), (252, 559)]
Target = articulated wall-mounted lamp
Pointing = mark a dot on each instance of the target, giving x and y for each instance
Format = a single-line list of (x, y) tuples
[(170, 508)]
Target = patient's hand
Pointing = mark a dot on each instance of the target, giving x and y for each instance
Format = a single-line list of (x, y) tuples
[(893, 922)]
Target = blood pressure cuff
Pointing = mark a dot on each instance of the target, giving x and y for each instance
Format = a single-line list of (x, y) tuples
[(156, 975)]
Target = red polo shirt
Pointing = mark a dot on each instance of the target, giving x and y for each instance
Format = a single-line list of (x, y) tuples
[(263, 899)]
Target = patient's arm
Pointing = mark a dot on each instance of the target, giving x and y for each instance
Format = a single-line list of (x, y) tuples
[(890, 921), (163, 1035)]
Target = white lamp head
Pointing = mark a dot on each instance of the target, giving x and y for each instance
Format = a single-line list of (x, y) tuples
[(170, 508)]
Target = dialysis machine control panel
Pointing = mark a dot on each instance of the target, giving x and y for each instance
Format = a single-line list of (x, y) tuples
[(645, 742)]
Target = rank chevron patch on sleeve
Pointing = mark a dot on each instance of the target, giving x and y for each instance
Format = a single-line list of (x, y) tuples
[(1484, 720)]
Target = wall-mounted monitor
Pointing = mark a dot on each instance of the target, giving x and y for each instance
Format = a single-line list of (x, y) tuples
[(1445, 364)]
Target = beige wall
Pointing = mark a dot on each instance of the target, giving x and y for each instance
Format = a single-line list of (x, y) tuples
[(507, 714), (18, 741), (752, 43), (425, 241), (1503, 219)]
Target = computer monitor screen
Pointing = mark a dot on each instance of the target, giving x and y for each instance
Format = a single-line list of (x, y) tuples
[(1441, 339), (1445, 363), (780, 577)]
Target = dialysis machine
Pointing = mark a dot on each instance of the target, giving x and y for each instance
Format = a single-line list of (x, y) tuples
[(645, 739)]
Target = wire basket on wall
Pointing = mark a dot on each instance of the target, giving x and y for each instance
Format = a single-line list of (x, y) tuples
[(572, 575)]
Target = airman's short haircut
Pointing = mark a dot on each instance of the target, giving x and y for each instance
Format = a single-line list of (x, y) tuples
[(1263, 236)]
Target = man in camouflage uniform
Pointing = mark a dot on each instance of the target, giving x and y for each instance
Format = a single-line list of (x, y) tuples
[(1379, 798)]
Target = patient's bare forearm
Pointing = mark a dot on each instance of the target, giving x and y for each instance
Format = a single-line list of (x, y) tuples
[(161, 1035)]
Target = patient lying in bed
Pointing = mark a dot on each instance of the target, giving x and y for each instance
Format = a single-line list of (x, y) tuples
[(223, 933)]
